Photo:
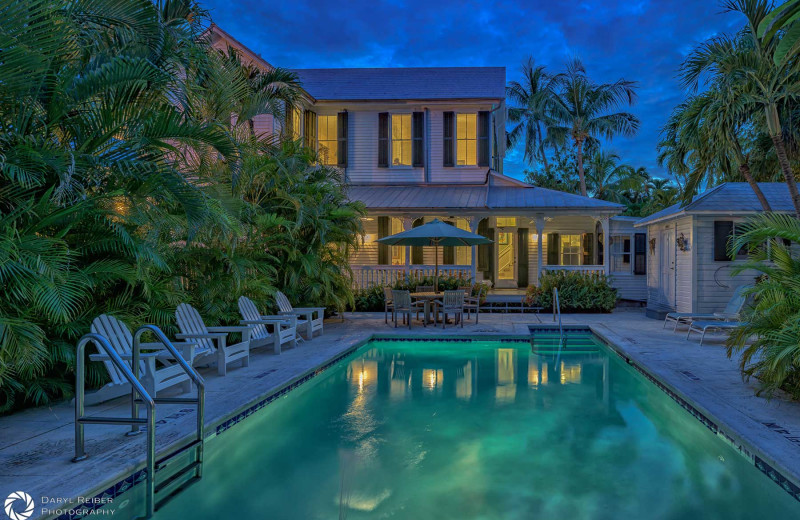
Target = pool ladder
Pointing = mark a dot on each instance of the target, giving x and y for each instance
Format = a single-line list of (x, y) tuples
[(182, 476), (562, 339)]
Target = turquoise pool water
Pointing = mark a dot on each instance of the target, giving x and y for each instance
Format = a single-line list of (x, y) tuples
[(477, 430)]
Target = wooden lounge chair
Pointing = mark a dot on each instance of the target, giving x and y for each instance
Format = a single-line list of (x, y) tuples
[(305, 315), (213, 338), (284, 327), (154, 376), (731, 312), (402, 306), (704, 326), (452, 303)]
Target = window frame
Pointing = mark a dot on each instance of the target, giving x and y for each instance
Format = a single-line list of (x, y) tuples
[(613, 253), (457, 139), (410, 140), (561, 253), (334, 140)]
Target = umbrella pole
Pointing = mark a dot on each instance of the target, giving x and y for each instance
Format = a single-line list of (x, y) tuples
[(436, 275)]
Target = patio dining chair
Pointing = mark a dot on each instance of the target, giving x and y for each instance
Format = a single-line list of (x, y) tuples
[(402, 306), (452, 303), (472, 304), (420, 305), (388, 304), (467, 293)]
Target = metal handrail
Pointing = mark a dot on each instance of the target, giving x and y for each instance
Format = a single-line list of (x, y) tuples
[(136, 388), (557, 310)]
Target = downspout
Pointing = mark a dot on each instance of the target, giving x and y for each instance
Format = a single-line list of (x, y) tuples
[(427, 145)]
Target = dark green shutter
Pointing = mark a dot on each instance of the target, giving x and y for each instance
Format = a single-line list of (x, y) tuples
[(383, 249), (483, 250), (552, 249), (449, 132), (417, 252), (448, 252), (418, 139), (598, 230), (723, 230), (522, 256), (383, 139), (289, 126), (484, 119), (341, 139), (588, 248), (640, 253)]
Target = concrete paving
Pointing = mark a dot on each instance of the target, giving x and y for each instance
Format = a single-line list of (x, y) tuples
[(36, 445)]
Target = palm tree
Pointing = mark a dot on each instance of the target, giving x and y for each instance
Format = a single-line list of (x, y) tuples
[(606, 178), (533, 99), (581, 111), (744, 64)]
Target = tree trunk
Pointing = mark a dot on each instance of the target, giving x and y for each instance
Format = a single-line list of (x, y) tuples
[(579, 146), (786, 168), (543, 151), (745, 169)]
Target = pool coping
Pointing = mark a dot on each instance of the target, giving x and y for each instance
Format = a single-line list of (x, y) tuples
[(773, 469)]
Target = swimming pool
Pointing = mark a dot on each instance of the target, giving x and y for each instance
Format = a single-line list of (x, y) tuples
[(477, 429)]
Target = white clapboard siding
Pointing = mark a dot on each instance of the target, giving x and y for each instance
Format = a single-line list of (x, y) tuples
[(362, 159), (451, 174), (684, 278)]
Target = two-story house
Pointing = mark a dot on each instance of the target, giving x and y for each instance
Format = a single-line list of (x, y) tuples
[(416, 144)]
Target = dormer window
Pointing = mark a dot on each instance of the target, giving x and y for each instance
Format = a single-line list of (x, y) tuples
[(466, 139), (401, 139)]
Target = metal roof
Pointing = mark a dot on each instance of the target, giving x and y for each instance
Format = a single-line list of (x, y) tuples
[(727, 198), (483, 198), (428, 83)]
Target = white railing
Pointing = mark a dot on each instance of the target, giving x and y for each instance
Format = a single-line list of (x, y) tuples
[(590, 269), (365, 276)]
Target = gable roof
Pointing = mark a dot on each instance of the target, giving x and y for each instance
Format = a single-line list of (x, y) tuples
[(726, 199), (418, 83)]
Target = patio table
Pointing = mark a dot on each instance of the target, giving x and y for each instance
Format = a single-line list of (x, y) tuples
[(428, 297)]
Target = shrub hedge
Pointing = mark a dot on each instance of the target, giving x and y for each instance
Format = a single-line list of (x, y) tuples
[(577, 292)]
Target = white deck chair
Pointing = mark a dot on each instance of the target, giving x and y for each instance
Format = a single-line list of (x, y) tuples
[(704, 326), (284, 327), (306, 320), (154, 377), (193, 328), (731, 312)]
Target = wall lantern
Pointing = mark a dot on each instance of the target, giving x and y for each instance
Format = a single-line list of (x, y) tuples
[(683, 242)]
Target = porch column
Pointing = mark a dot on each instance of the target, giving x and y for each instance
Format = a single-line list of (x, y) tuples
[(473, 226), (539, 223), (606, 252), (407, 223)]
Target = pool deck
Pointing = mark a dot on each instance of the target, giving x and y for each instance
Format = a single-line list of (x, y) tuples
[(36, 445)]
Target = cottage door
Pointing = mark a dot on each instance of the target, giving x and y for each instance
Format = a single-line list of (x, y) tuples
[(506, 253), (667, 267)]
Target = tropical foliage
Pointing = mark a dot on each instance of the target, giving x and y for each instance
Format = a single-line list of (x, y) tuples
[(768, 344), (132, 179), (577, 292)]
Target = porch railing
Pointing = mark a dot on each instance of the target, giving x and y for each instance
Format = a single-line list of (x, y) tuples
[(366, 276), (589, 269)]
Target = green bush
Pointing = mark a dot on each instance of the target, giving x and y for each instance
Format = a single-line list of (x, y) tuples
[(577, 292), (371, 299)]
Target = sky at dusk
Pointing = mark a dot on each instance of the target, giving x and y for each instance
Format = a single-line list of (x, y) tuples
[(644, 41)]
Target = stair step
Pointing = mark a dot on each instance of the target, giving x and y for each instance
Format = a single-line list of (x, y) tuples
[(162, 501), (160, 486), (165, 460)]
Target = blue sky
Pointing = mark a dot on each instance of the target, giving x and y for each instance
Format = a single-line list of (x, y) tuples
[(644, 41)]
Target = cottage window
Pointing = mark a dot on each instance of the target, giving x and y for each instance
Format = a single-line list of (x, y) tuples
[(401, 140), (328, 140), (570, 250), (296, 122), (621, 254), (398, 252), (463, 254), (467, 140)]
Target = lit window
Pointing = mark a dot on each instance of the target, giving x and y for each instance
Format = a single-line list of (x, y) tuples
[(463, 254), (570, 250), (297, 118), (327, 139), (398, 252), (621, 254), (401, 139), (466, 148), (506, 221)]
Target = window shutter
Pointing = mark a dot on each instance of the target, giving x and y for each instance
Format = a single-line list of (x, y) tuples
[(484, 118), (310, 130), (552, 249), (383, 249), (522, 256), (449, 132), (640, 253), (383, 139), (288, 126), (448, 252), (341, 139), (418, 139), (417, 252), (483, 250), (723, 230), (598, 230), (588, 248)]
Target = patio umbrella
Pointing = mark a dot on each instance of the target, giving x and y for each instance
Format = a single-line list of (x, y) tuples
[(435, 233)]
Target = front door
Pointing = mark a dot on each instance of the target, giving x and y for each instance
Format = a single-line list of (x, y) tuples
[(667, 271), (506, 258)]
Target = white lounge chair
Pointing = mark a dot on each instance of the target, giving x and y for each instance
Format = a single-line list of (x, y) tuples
[(284, 327), (731, 312), (154, 377), (193, 328), (704, 326), (306, 320)]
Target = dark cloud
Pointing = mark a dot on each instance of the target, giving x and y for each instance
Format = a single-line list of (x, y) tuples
[(640, 40)]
